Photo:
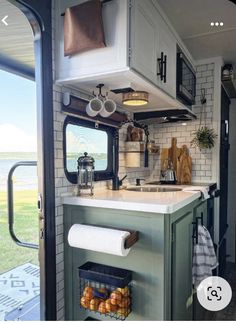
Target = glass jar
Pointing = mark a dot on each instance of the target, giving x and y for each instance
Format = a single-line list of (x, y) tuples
[(85, 174)]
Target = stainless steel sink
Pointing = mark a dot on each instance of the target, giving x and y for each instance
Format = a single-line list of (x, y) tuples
[(153, 189)]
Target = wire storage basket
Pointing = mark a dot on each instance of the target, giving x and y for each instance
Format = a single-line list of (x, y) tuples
[(105, 290)]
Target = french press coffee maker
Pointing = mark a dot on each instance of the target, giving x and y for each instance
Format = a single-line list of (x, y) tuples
[(85, 174)]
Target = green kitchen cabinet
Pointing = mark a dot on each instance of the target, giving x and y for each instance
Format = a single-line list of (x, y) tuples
[(182, 231), (161, 261)]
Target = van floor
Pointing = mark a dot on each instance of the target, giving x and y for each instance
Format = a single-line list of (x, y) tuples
[(229, 313), (18, 286)]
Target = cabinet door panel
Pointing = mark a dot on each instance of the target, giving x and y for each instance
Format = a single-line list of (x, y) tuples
[(182, 268), (144, 38), (167, 45)]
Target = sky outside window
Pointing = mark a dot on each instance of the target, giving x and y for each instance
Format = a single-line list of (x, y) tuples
[(18, 129)]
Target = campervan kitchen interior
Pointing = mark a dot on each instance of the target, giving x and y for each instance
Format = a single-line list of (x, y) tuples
[(117, 160)]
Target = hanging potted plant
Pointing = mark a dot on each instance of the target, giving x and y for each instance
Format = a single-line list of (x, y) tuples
[(204, 137)]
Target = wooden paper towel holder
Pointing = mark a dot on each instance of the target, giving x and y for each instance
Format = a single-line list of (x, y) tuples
[(129, 241)]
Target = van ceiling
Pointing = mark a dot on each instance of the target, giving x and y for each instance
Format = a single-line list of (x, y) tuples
[(192, 18), (17, 42)]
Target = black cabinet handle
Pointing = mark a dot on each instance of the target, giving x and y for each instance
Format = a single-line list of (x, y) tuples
[(165, 69), (162, 63), (195, 230)]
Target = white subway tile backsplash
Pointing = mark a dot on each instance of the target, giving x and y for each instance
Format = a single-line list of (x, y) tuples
[(211, 66), (201, 68), (162, 134)]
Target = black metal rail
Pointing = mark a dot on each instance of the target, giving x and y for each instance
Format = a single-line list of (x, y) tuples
[(10, 203)]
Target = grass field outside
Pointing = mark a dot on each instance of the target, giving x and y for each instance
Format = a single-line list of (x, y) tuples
[(25, 227)]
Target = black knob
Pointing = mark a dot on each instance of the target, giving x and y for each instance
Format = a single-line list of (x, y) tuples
[(216, 193), (138, 181)]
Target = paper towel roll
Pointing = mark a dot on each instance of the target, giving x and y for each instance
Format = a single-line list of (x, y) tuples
[(98, 239)]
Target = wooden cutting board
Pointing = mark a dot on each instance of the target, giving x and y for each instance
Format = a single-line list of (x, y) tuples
[(182, 162), (171, 153), (164, 156), (174, 153), (184, 167)]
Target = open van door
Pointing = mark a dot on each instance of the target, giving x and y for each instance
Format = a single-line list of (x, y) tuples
[(38, 14)]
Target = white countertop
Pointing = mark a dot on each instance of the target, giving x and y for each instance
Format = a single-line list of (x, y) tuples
[(152, 202)]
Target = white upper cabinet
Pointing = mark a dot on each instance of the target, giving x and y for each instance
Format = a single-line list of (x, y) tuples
[(168, 48), (144, 39), (140, 53), (152, 46)]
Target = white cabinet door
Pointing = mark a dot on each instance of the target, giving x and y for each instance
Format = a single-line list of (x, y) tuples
[(150, 37), (167, 47), (144, 39)]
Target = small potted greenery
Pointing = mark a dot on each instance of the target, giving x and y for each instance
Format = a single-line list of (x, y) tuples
[(204, 138)]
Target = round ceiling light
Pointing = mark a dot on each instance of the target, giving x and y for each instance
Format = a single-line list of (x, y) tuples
[(135, 98)]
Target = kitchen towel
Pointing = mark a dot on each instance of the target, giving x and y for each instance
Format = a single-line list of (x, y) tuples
[(204, 190), (98, 239), (83, 28), (204, 257)]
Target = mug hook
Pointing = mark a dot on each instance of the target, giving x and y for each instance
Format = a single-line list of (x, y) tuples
[(99, 86)]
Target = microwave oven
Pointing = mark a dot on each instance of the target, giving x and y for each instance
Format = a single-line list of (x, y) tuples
[(186, 80)]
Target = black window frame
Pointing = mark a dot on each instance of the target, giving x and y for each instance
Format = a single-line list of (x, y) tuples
[(101, 175)]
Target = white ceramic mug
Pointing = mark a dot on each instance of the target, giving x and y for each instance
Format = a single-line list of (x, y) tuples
[(94, 107), (109, 107)]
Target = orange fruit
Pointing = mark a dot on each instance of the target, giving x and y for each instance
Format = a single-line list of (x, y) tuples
[(102, 308), (88, 295), (125, 302), (116, 297), (88, 289), (84, 302), (110, 307), (122, 311), (94, 304), (124, 291)]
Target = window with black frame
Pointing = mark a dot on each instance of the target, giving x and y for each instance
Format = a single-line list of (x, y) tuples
[(82, 136)]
